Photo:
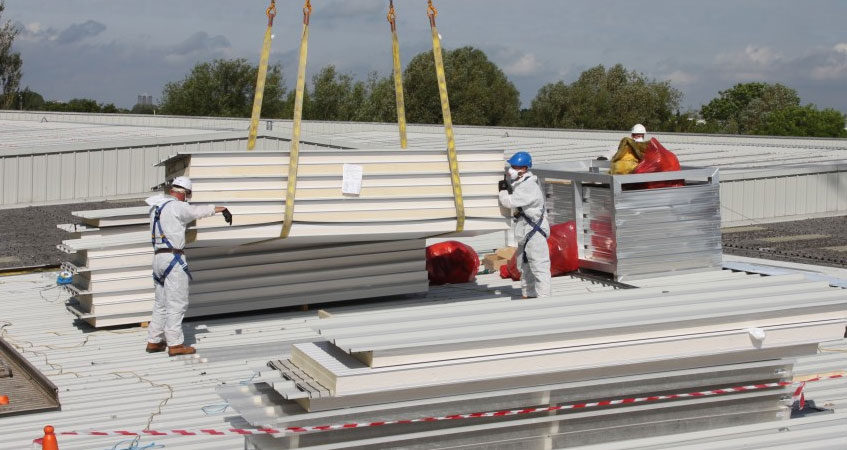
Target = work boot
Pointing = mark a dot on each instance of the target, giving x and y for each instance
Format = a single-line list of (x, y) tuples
[(156, 347), (181, 350)]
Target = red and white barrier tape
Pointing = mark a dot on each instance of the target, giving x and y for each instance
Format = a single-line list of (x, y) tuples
[(511, 412)]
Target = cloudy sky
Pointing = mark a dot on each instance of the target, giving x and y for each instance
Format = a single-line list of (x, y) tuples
[(113, 50)]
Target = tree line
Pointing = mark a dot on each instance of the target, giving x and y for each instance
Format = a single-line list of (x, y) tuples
[(601, 98)]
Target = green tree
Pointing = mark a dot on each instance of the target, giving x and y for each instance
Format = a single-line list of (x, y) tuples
[(480, 93), (336, 96), (804, 121), (143, 109), (224, 88), (110, 108), (10, 62), (381, 105), (28, 100), (745, 107), (83, 105), (606, 99)]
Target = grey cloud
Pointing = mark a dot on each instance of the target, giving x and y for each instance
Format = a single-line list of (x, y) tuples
[(358, 11), (111, 72), (80, 31), (35, 32), (200, 42)]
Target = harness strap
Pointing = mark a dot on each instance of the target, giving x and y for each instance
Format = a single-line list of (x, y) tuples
[(177, 259), (536, 228), (157, 223)]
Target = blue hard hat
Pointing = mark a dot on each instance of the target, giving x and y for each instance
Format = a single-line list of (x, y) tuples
[(520, 159)]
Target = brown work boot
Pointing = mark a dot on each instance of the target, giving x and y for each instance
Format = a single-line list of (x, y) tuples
[(181, 350), (157, 347)]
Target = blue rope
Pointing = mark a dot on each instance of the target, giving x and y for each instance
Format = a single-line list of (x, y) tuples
[(212, 410), (134, 445)]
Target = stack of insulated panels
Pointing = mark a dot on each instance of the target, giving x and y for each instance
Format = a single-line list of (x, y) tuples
[(478, 356), (405, 194), (341, 246), (113, 285)]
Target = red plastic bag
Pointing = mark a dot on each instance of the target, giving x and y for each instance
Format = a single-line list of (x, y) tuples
[(504, 270), (564, 255), (451, 262), (658, 159)]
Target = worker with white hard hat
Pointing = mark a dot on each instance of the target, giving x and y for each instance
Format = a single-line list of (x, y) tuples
[(531, 228), (169, 215), (638, 132)]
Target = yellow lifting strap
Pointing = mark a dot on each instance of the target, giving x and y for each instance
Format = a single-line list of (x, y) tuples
[(294, 152), (260, 81), (398, 75), (432, 13)]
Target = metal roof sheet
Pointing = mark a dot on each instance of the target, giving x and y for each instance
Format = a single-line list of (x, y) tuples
[(19, 134), (106, 380)]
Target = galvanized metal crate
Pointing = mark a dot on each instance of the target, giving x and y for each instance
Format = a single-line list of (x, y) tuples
[(636, 233)]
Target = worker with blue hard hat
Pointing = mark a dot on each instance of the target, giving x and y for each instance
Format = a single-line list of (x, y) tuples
[(169, 215), (522, 194)]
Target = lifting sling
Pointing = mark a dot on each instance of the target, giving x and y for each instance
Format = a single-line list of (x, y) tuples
[(398, 76), (260, 81), (432, 13), (177, 259), (294, 152)]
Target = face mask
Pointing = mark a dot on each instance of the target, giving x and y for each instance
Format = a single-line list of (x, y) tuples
[(639, 139), (514, 174)]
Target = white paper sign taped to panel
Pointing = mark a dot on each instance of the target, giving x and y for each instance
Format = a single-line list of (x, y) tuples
[(352, 182)]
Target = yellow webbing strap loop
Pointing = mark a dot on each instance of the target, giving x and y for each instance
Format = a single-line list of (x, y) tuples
[(398, 76), (294, 153), (260, 81), (448, 120)]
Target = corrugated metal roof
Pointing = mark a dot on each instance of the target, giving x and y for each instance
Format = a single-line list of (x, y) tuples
[(701, 150), (18, 134), (107, 381)]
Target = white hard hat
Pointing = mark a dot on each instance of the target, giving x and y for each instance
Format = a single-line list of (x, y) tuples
[(183, 182), (639, 129)]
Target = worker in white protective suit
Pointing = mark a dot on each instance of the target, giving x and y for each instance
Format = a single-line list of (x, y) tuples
[(531, 227), (169, 215), (638, 134)]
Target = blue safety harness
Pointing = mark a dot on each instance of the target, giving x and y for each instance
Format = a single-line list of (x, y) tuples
[(536, 228), (157, 223)]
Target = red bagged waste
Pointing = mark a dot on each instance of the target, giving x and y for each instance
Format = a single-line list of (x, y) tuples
[(511, 269), (564, 255), (451, 262), (504, 270), (658, 159)]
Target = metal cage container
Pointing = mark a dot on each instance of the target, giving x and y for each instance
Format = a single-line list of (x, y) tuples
[(631, 232)]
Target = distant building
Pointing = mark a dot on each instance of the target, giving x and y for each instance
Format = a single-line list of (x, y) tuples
[(145, 99)]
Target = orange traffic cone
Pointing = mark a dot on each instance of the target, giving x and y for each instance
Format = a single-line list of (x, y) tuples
[(4, 400), (48, 442)]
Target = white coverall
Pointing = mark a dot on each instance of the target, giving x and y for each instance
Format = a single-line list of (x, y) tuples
[(535, 273), (171, 299)]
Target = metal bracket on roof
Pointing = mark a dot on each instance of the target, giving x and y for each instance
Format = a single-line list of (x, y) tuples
[(306, 384), (768, 270)]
